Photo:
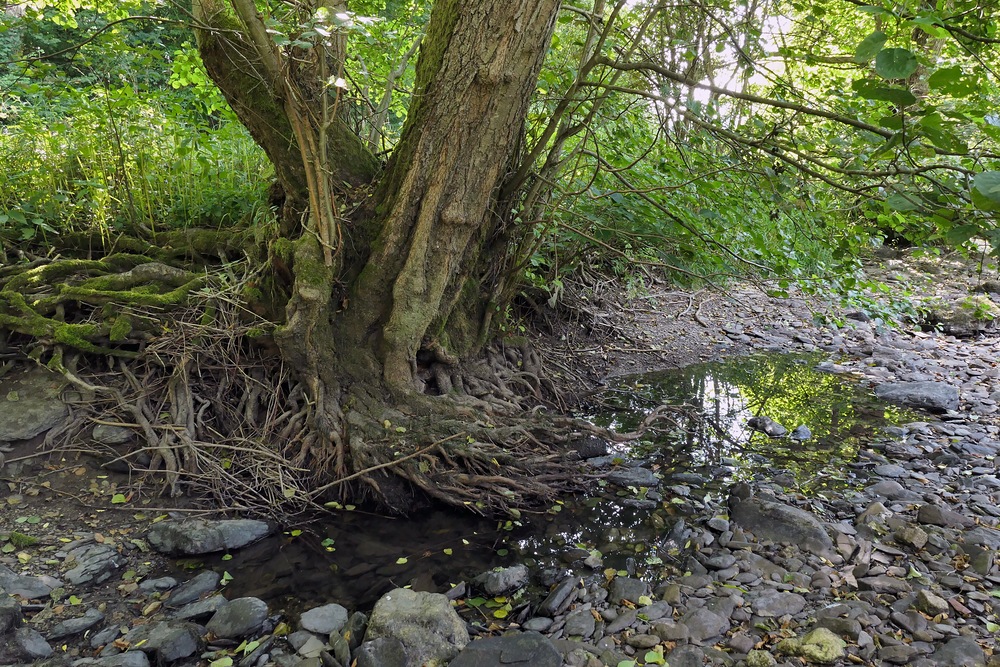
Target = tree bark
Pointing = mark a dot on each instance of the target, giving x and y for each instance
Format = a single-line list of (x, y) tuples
[(413, 273)]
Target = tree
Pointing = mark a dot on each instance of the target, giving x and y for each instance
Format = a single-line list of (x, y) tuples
[(397, 267)]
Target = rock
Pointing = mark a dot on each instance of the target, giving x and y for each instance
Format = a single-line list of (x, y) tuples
[(767, 426), (112, 435), (10, 614), (626, 588), (166, 640), (636, 476), (560, 597), (72, 626), (760, 659), (200, 610), (938, 516), (930, 604), (324, 620), (191, 537), (818, 645), (127, 659), (95, 563), (354, 631), (959, 652), (775, 521), (778, 603), (932, 396), (30, 643), (26, 586), (238, 618), (914, 536), (703, 624), (203, 582), (425, 623), (589, 447), (529, 649), (801, 433), (579, 623), (381, 652), (30, 403), (538, 624), (503, 580), (884, 584)]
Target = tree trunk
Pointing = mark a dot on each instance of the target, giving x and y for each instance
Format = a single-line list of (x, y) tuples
[(413, 274)]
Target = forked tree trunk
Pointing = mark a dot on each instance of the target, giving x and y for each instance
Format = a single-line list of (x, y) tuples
[(411, 270)]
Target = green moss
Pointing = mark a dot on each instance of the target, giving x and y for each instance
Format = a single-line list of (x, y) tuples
[(120, 329)]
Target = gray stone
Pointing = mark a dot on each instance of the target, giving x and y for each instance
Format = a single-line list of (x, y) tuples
[(560, 597), (891, 470), (774, 521), (636, 476), (930, 604), (529, 649), (200, 610), (189, 591), (30, 643), (324, 620), (381, 652), (625, 620), (30, 403), (112, 435), (537, 624), (26, 586), (801, 433), (626, 588), (959, 652), (778, 603), (157, 585), (703, 624), (95, 563), (579, 623), (932, 396), (760, 659), (502, 581), (10, 614), (72, 626), (686, 656), (191, 537), (238, 617), (939, 516), (127, 659), (425, 623), (354, 631), (767, 426), (818, 645), (167, 640), (105, 636), (884, 584)]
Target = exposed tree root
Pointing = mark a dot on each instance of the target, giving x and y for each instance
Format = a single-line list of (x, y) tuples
[(215, 415)]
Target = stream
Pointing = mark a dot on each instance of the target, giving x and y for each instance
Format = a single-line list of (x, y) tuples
[(700, 445)]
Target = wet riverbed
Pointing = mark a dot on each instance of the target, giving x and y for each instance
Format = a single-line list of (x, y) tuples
[(699, 444)]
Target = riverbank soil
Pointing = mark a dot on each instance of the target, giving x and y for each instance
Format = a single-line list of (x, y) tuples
[(898, 570)]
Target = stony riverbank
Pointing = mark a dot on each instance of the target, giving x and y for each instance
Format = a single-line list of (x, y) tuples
[(901, 570)]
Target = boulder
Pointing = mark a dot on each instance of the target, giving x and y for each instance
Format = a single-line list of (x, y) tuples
[(528, 649), (932, 396), (770, 520), (192, 537), (425, 623), (30, 403)]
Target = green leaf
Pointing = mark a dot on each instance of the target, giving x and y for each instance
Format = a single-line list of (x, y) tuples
[(992, 627), (226, 661), (74, 600), (118, 499), (500, 613), (960, 234), (870, 90), (401, 560), (869, 46), (985, 192), (895, 63), (951, 81), (902, 202)]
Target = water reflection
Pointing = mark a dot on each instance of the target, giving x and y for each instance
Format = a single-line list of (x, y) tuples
[(706, 408), (699, 444)]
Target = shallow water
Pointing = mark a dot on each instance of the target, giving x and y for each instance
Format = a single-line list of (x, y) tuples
[(701, 446)]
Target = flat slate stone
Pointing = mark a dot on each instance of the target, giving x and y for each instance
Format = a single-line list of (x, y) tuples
[(770, 520), (528, 649), (238, 617), (324, 620), (192, 537), (30, 403), (26, 586), (95, 563), (189, 591), (932, 396)]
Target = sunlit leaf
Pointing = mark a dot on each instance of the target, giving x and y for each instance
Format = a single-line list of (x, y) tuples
[(895, 63), (869, 46)]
